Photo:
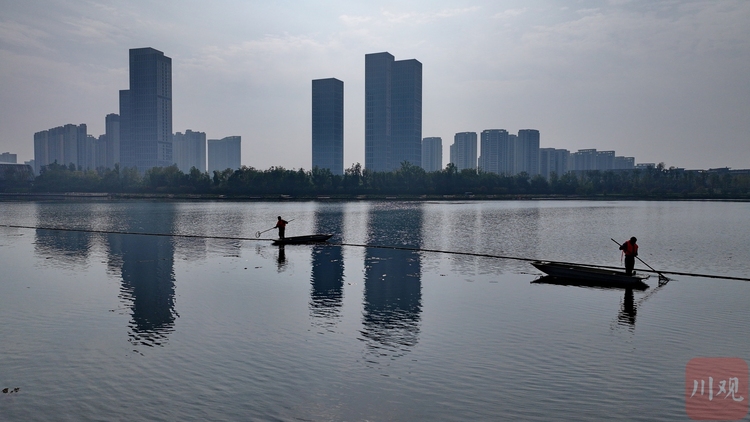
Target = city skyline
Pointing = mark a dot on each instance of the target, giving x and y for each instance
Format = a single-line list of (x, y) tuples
[(662, 82)]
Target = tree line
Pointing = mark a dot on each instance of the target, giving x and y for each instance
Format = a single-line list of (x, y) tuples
[(409, 180)]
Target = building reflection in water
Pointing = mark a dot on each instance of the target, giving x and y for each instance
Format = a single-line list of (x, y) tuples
[(393, 291), (146, 265), (327, 274), (63, 246)]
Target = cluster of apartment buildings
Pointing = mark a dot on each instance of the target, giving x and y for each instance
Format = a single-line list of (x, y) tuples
[(509, 154), (140, 136), (393, 131)]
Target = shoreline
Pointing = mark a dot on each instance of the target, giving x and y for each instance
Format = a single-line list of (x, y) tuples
[(371, 197)]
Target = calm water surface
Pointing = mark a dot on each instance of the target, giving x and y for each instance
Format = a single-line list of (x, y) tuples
[(100, 325)]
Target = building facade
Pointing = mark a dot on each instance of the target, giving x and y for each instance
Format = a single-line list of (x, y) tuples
[(464, 151), (494, 151), (7, 157), (60, 145), (624, 163), (553, 161), (527, 152), (328, 125), (432, 154), (112, 140), (189, 150), (224, 153), (393, 112), (146, 111)]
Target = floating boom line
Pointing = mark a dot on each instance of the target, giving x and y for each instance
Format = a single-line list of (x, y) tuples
[(362, 245)]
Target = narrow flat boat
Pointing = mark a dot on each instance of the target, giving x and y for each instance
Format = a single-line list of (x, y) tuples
[(582, 275), (296, 240)]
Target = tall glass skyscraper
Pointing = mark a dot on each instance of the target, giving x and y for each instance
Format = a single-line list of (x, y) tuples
[(146, 111), (328, 125), (393, 112)]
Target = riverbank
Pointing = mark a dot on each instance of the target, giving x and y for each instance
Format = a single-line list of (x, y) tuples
[(469, 196)]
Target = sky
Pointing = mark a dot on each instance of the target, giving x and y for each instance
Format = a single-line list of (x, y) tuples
[(661, 81)]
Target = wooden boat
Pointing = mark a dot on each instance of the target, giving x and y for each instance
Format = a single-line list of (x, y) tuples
[(591, 276), (296, 240)]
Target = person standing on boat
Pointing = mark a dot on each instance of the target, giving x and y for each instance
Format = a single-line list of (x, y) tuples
[(281, 225), (630, 249)]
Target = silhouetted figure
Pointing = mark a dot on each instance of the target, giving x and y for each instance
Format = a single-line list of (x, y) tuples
[(631, 251), (281, 225)]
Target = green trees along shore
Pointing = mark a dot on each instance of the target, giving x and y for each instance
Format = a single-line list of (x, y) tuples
[(408, 181)]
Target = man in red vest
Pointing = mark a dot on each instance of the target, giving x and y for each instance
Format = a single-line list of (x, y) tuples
[(281, 225), (631, 251)]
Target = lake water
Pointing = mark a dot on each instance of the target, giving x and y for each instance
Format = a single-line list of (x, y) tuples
[(189, 317)]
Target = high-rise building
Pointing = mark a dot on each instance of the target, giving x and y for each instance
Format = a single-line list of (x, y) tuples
[(393, 112), (146, 111), (189, 150), (7, 157), (527, 152), (112, 134), (59, 145), (224, 153), (432, 154), (624, 163), (510, 163), (328, 125), (464, 150), (553, 160), (584, 159), (605, 160), (493, 151)]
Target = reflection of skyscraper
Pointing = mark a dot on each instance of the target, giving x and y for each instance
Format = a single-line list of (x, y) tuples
[(327, 276), (146, 265), (62, 246), (65, 246), (393, 290)]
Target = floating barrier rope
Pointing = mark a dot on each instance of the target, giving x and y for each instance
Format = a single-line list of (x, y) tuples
[(360, 245)]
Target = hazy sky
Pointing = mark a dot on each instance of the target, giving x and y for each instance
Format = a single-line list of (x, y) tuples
[(663, 81)]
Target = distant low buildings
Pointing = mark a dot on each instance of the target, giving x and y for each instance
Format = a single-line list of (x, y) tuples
[(7, 157), (63, 145), (224, 153), (189, 150), (591, 159)]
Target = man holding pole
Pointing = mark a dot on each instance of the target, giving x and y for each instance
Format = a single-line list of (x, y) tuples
[(281, 225), (631, 251)]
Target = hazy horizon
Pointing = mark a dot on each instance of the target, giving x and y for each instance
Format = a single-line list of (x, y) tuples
[(661, 82)]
